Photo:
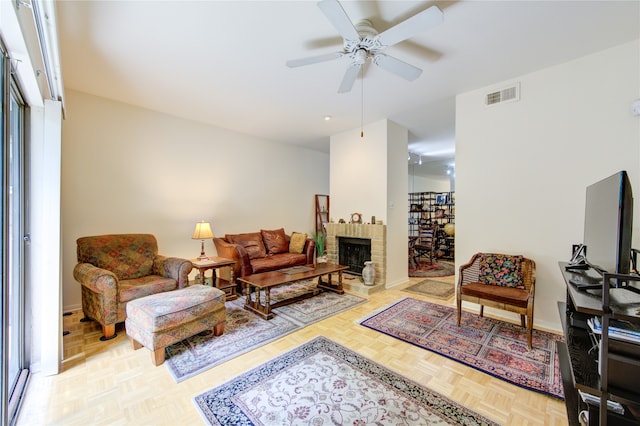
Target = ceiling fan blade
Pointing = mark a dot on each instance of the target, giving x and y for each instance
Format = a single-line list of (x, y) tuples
[(314, 59), (349, 78), (339, 19), (397, 67), (416, 24)]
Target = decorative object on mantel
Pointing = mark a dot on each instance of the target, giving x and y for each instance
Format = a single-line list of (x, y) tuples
[(202, 232), (369, 273), (356, 218), (341, 221)]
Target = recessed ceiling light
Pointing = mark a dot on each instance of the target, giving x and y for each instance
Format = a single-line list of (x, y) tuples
[(327, 118)]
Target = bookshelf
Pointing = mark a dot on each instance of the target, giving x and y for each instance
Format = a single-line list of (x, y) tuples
[(434, 209), (322, 213)]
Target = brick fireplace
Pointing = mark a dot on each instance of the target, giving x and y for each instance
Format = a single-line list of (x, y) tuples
[(376, 233)]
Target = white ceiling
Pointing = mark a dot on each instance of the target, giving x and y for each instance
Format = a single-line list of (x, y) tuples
[(223, 62)]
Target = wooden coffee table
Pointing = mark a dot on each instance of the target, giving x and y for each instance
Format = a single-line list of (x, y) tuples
[(260, 285)]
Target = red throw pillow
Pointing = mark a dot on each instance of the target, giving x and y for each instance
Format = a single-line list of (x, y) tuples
[(275, 241), (252, 243)]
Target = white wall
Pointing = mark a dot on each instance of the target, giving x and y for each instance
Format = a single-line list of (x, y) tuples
[(424, 184), (522, 167), (369, 175), (358, 173), (128, 169), (397, 229)]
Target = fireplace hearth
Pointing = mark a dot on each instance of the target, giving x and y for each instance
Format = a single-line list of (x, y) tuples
[(353, 252), (376, 235)]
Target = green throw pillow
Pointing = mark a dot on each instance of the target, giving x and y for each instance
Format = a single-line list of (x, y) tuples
[(298, 239)]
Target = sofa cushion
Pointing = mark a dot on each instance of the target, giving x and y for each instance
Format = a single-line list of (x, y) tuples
[(275, 241), (140, 287), (512, 296), (252, 243), (297, 243), (278, 261), (501, 270)]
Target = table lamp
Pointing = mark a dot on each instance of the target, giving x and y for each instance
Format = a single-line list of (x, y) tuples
[(202, 232)]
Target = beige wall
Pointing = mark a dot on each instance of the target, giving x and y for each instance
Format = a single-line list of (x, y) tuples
[(426, 184), (369, 176), (128, 169), (522, 167)]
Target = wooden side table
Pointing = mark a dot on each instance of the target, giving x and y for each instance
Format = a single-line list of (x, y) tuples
[(213, 263)]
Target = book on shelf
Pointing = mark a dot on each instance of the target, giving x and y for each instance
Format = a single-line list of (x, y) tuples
[(619, 330)]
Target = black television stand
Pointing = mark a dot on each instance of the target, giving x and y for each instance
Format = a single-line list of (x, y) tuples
[(611, 373)]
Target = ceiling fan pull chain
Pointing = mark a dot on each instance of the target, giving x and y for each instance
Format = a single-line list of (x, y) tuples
[(362, 101)]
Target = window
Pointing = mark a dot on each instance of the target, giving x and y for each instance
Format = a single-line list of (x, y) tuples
[(14, 372)]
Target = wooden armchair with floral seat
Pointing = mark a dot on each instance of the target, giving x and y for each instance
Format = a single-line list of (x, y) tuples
[(500, 281), (115, 269)]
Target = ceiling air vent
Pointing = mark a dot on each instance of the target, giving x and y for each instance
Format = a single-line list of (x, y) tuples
[(508, 94)]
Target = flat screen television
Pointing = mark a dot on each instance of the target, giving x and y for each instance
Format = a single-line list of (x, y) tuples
[(608, 221)]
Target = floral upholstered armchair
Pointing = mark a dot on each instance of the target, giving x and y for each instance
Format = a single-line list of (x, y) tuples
[(114, 269)]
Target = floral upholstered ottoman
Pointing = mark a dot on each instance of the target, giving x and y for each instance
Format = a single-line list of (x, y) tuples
[(163, 319)]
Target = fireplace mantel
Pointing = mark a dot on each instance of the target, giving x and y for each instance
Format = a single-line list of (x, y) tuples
[(378, 236)]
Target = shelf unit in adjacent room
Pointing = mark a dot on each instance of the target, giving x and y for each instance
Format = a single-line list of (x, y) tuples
[(599, 364), (434, 209), (322, 213)]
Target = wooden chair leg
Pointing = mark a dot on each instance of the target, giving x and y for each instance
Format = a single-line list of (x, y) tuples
[(459, 302), (530, 331), (135, 344), (108, 332), (157, 357), (522, 320), (481, 310), (218, 329)]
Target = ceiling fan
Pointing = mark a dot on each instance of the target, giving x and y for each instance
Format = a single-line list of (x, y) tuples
[(362, 42)]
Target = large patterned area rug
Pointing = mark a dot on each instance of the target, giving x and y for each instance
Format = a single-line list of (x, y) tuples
[(495, 347), (440, 268), (245, 331), (324, 383)]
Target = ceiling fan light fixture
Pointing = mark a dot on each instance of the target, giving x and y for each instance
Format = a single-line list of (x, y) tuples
[(362, 41), (359, 57)]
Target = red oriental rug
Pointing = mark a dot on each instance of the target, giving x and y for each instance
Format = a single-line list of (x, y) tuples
[(492, 346), (440, 268)]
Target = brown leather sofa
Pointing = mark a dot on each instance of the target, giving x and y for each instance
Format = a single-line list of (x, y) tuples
[(265, 250)]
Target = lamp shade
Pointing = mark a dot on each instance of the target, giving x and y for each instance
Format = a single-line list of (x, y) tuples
[(203, 231)]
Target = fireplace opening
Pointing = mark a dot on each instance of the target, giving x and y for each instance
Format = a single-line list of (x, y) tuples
[(353, 252)]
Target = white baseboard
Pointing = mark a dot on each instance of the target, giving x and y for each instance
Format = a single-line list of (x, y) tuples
[(397, 283), (72, 308)]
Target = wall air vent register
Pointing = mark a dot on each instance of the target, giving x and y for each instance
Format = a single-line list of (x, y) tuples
[(507, 94)]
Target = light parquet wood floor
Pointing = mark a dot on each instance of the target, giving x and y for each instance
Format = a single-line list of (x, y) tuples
[(108, 383)]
